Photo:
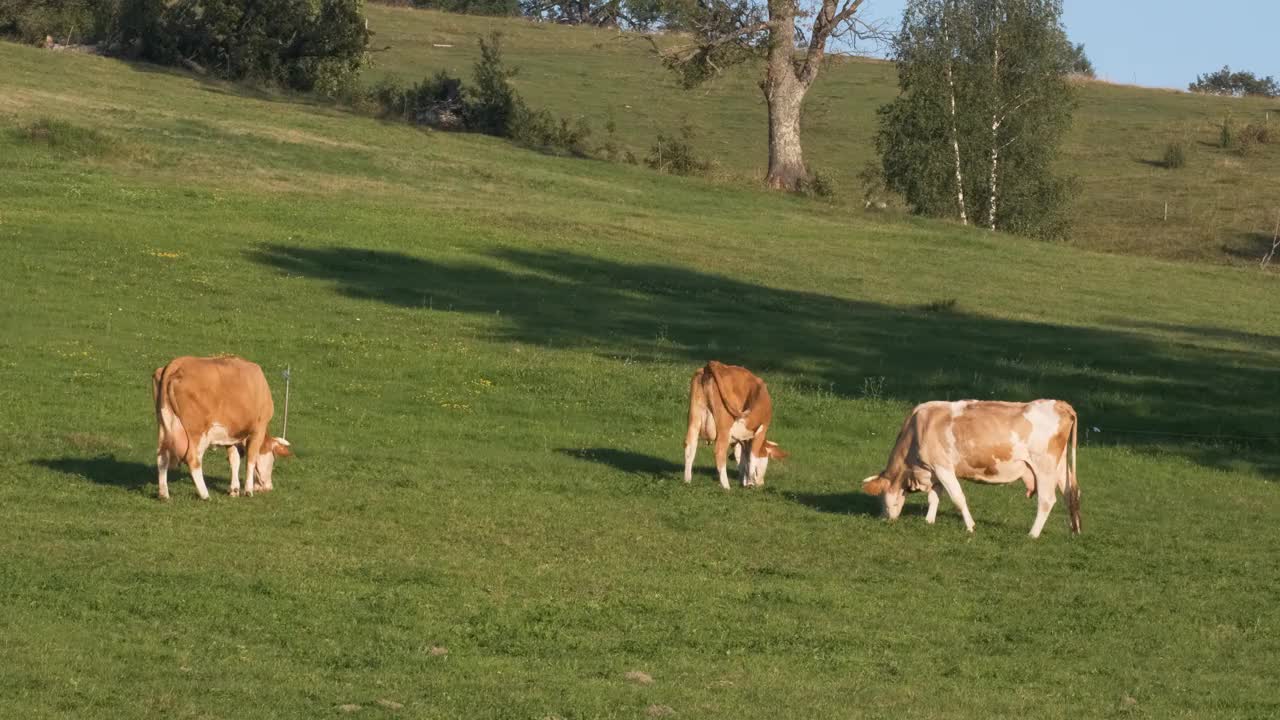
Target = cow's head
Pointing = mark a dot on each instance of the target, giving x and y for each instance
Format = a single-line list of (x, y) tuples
[(266, 461), (891, 492), (757, 466)]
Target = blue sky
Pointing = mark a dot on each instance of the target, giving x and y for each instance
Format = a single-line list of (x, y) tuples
[(1162, 43)]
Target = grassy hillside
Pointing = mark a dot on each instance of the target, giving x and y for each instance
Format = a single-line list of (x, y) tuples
[(1220, 206), (490, 351)]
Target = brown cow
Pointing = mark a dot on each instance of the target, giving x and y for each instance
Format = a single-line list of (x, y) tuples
[(223, 401), (729, 404), (990, 442)]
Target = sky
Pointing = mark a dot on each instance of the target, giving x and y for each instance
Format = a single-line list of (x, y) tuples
[(1162, 43)]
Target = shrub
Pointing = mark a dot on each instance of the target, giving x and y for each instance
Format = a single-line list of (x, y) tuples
[(298, 44), (436, 102), (817, 185), (471, 7), (1257, 133), (538, 129), (675, 154), (493, 104), (1247, 139), (1175, 155), (611, 149), (67, 21), (1227, 134)]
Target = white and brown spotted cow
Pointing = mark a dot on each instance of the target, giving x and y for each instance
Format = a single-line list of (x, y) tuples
[(728, 404), (223, 401), (986, 441)]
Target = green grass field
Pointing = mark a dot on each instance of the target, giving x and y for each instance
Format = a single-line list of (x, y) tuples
[(1222, 207), (491, 350)]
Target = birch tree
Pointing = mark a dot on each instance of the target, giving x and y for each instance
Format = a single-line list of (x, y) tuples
[(792, 37), (984, 101)]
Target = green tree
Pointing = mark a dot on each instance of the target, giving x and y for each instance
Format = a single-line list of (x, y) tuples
[(630, 14), (472, 7), (1237, 84), (984, 101), (299, 44), (791, 36)]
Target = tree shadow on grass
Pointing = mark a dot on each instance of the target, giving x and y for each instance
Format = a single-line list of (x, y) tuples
[(626, 461), (106, 470), (1117, 378)]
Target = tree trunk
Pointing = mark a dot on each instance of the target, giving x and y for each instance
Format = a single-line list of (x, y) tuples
[(784, 93), (955, 134), (786, 157), (995, 121)]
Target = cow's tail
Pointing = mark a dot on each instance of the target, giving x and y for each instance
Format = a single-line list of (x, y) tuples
[(172, 431), (1073, 486)]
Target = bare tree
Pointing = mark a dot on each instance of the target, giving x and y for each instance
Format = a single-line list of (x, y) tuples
[(792, 36)]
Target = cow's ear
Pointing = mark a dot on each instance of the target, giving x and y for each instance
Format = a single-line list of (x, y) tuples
[(280, 447), (775, 452)]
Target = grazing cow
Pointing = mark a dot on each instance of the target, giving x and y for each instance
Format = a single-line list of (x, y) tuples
[(728, 404), (223, 401), (991, 442)]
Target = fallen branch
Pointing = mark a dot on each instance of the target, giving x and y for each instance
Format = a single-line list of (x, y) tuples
[(1275, 244), (193, 66)]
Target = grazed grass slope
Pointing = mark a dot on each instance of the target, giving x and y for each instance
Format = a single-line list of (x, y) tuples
[(1221, 206), (490, 351)]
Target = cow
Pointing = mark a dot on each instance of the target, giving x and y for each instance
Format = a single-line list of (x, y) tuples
[(728, 404), (986, 441), (221, 401)]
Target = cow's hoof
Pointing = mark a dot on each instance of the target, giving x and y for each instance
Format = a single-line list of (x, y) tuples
[(234, 492), (165, 498)]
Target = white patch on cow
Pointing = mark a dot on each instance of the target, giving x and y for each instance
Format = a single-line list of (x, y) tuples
[(233, 459), (1044, 425), (218, 436), (756, 470), (738, 431), (197, 475)]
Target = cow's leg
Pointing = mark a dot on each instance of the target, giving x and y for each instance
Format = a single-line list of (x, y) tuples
[(195, 458), (742, 456), (691, 448), (162, 471), (722, 457), (932, 515), (252, 449), (233, 459), (1046, 496), (947, 477)]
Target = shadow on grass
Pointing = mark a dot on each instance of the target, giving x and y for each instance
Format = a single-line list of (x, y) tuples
[(626, 461), (105, 470), (1252, 247), (844, 503), (126, 475), (1120, 379)]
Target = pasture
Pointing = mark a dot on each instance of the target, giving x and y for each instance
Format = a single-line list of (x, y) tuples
[(491, 351), (1221, 208)]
